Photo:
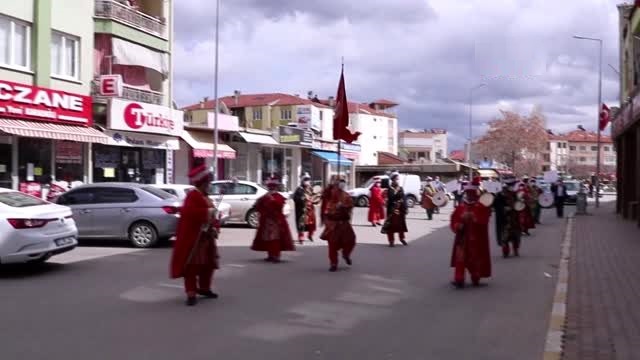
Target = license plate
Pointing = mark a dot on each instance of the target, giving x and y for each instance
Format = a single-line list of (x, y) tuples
[(64, 241)]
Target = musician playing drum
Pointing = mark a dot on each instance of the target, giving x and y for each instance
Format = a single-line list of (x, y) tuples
[(305, 201), (508, 230), (470, 223), (396, 212), (535, 191)]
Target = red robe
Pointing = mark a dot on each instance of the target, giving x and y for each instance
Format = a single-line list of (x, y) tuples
[(273, 224), (338, 230), (194, 215), (475, 247), (376, 205), (526, 217)]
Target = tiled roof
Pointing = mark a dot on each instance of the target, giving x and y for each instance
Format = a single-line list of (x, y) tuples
[(457, 155), (581, 136), (363, 108), (384, 102), (274, 99)]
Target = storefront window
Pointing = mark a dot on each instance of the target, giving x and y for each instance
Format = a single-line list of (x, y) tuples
[(5, 162), (272, 163), (106, 162), (69, 161), (119, 164), (34, 160), (153, 163)]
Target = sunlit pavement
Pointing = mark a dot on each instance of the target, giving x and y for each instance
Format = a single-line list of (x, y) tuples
[(394, 303)]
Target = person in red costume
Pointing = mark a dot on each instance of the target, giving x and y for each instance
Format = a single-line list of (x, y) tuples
[(336, 215), (526, 218), (470, 223), (376, 205), (273, 235), (195, 253)]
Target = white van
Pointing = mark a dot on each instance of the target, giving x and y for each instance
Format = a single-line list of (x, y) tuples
[(409, 182)]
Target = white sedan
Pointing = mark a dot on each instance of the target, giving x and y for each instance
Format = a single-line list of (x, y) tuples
[(33, 230), (180, 191)]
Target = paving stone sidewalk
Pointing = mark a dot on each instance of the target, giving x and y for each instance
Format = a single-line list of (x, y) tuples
[(603, 317)]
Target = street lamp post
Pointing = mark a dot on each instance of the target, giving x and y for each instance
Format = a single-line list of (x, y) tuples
[(597, 177), (471, 127), (215, 94)]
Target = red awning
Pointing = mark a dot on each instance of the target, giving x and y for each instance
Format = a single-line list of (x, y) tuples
[(202, 145), (45, 130)]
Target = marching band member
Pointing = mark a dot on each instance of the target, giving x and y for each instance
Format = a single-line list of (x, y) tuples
[(470, 223), (427, 199), (508, 227), (195, 253), (305, 203), (337, 206), (396, 212), (526, 219), (376, 204), (535, 192), (273, 235)]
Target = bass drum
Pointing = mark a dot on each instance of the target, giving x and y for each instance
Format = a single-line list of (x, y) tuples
[(519, 206), (440, 199), (486, 199), (546, 200)]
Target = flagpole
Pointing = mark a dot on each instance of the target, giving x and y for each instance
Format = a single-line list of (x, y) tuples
[(347, 105)]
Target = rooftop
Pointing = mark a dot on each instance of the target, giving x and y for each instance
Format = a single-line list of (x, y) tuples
[(248, 100)]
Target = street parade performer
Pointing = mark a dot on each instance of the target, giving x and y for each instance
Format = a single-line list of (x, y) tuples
[(305, 202), (507, 220), (396, 212), (376, 205), (526, 217), (273, 235), (195, 253), (534, 193), (470, 223), (337, 206), (427, 199)]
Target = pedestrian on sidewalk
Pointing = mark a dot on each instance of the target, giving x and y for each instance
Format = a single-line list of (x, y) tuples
[(305, 202), (427, 199), (508, 232), (560, 195), (470, 223), (273, 234), (337, 206), (195, 253), (396, 212), (376, 205)]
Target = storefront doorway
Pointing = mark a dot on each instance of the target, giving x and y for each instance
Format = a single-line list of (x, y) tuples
[(120, 164), (5, 162)]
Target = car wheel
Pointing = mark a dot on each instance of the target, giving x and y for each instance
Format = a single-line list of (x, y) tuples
[(143, 235), (411, 201), (362, 201), (253, 218)]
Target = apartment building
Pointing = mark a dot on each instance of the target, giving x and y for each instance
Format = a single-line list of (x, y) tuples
[(556, 157), (379, 127), (576, 153), (423, 146)]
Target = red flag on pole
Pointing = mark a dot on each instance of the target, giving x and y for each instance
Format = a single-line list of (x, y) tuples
[(341, 118), (605, 116)]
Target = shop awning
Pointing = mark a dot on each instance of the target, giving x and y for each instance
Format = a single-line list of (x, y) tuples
[(128, 53), (258, 138), (202, 144), (52, 131), (332, 157)]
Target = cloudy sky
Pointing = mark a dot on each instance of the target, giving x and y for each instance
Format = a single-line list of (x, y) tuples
[(424, 54)]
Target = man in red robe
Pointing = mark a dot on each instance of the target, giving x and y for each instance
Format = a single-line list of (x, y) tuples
[(526, 217), (273, 235), (470, 223), (336, 214), (376, 205), (195, 253)]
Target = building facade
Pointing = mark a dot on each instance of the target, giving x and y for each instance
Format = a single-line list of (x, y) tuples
[(423, 146), (379, 128)]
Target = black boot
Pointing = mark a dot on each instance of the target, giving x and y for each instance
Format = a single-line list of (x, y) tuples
[(333, 268), (208, 294), (191, 301)]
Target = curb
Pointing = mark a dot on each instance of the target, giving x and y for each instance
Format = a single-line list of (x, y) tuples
[(557, 321)]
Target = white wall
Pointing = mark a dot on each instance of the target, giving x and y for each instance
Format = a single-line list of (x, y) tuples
[(374, 138)]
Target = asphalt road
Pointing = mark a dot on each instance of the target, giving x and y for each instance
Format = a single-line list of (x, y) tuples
[(109, 302)]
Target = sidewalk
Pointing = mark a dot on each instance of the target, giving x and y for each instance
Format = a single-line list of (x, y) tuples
[(603, 318)]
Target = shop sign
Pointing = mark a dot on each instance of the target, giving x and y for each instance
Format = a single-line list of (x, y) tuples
[(330, 146), (225, 122), (20, 101), (294, 136), (68, 152), (145, 118), (122, 138), (169, 167), (303, 117), (350, 147), (111, 85)]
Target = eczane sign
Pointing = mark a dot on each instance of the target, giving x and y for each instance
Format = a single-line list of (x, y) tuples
[(145, 118), (111, 85), (21, 101)]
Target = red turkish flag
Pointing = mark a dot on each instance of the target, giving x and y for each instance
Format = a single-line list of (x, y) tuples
[(605, 116), (341, 118)]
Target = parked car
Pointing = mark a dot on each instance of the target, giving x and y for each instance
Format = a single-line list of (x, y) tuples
[(573, 187), (33, 230), (411, 184), (142, 214), (242, 196), (180, 191)]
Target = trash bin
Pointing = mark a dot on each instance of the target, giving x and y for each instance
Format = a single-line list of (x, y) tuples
[(581, 203)]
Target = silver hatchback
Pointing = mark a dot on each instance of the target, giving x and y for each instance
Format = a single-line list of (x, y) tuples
[(139, 213)]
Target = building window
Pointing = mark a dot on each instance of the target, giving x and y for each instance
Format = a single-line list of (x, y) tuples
[(572, 148), (321, 115), (285, 114), (421, 154), (583, 159), (606, 148), (257, 114), (583, 148), (594, 148), (65, 58), (15, 43)]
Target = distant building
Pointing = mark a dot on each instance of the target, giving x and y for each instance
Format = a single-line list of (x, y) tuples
[(423, 146)]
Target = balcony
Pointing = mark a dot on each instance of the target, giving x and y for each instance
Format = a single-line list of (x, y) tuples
[(129, 93), (113, 10)]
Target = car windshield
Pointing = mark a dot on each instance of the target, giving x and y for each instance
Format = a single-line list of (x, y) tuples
[(20, 200), (158, 193), (572, 186)]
